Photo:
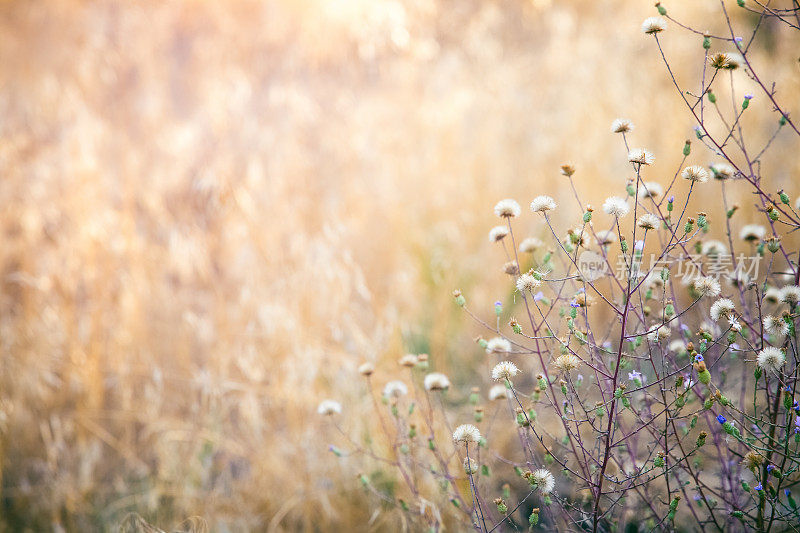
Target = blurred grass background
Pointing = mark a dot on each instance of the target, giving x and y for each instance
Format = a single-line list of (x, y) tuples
[(213, 212)]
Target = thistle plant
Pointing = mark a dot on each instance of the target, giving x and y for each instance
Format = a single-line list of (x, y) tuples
[(644, 361)]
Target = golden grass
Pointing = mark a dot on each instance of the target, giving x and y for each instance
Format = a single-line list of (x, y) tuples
[(215, 211)]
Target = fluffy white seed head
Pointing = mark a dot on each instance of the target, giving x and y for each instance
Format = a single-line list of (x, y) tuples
[(616, 206), (567, 362), (707, 286), (507, 208), (659, 334), (504, 370), (723, 171), (498, 345), (530, 245), (366, 369), (543, 203), (752, 232), (436, 381), (695, 173), (621, 125), (653, 25), (790, 294), (733, 60), (712, 248), (527, 283), (775, 326), (773, 295), (409, 360), (499, 392), (498, 233), (543, 480), (648, 221), (722, 308), (395, 389), (329, 407), (677, 346), (641, 156), (650, 189), (466, 433), (606, 237), (771, 359)]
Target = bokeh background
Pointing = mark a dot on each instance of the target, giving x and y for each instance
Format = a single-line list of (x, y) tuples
[(214, 211)]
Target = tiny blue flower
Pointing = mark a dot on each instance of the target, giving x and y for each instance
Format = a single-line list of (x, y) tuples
[(698, 358), (574, 304), (671, 198), (538, 296), (759, 487), (749, 96), (770, 468), (721, 419)]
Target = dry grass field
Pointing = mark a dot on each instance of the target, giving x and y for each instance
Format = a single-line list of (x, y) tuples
[(213, 212)]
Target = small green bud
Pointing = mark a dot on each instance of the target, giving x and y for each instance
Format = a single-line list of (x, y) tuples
[(431, 445), (687, 148), (587, 216), (783, 120), (701, 439), (745, 486), (502, 508), (712, 97), (688, 227), (460, 300), (658, 461), (774, 215), (706, 44), (704, 377), (534, 518), (661, 9), (673, 505), (745, 103)]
